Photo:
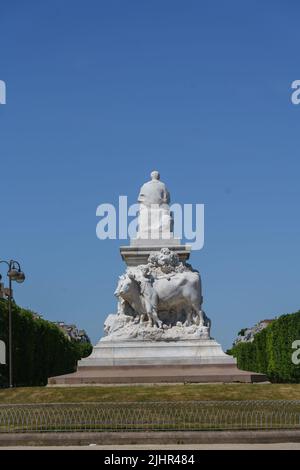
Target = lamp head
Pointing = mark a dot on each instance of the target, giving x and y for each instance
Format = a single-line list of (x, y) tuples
[(16, 275), (13, 274), (21, 277)]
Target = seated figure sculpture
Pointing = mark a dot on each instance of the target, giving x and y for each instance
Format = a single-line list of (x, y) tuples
[(155, 219)]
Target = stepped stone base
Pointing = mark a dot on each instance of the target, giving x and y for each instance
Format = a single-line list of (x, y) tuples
[(129, 362), (223, 373), (137, 352)]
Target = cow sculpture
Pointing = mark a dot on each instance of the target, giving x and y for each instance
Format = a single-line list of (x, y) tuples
[(177, 294)]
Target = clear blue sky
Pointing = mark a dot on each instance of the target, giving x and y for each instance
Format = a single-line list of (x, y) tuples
[(99, 93)]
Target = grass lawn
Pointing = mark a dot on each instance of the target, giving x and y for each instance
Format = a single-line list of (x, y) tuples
[(151, 393)]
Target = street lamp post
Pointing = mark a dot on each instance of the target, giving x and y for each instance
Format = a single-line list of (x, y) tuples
[(14, 273)]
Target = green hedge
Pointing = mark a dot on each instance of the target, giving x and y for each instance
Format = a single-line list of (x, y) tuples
[(40, 348), (271, 350)]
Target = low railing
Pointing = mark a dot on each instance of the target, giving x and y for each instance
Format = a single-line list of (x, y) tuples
[(151, 416)]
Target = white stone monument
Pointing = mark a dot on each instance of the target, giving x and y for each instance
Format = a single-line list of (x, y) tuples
[(160, 332), (159, 319)]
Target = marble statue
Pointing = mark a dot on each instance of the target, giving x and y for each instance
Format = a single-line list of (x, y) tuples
[(155, 219), (165, 285), (164, 294), (154, 192), (160, 299), (160, 319)]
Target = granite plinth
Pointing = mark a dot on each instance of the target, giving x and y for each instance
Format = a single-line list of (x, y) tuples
[(137, 254), (130, 362), (118, 375)]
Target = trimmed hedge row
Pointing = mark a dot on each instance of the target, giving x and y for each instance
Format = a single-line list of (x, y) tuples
[(271, 350), (40, 348)]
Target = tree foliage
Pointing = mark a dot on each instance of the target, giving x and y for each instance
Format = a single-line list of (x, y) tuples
[(40, 348), (271, 350)]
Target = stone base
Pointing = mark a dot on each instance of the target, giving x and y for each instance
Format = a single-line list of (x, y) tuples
[(129, 362), (139, 252), (114, 375), (136, 353), (167, 242)]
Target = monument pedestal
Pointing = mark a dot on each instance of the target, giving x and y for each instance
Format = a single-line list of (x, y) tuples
[(139, 250), (142, 362), (161, 333), (156, 374), (136, 353)]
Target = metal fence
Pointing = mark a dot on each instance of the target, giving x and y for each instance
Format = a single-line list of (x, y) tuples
[(150, 416)]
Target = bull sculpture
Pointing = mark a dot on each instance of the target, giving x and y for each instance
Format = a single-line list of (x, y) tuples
[(175, 296)]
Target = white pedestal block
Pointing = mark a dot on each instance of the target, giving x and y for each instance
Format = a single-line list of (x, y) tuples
[(129, 353)]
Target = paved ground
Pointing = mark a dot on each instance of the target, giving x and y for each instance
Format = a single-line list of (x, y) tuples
[(164, 448)]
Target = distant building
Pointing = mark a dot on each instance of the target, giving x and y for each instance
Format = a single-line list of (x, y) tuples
[(246, 335), (4, 291), (72, 332)]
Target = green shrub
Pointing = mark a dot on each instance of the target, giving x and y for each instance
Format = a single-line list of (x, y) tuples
[(40, 348), (271, 350)]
